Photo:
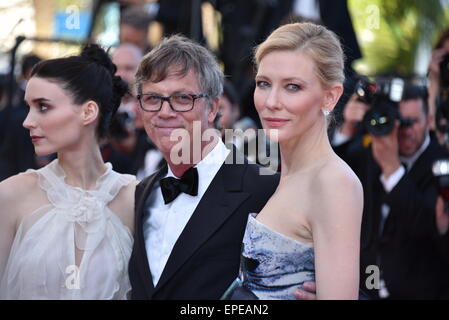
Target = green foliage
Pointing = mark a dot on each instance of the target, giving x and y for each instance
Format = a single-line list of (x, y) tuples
[(390, 33)]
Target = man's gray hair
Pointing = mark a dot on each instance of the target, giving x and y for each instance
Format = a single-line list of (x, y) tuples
[(178, 55)]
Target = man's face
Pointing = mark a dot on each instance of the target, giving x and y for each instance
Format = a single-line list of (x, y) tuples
[(411, 138), (126, 61), (161, 124)]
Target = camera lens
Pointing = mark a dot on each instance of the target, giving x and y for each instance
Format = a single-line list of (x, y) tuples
[(440, 171), (379, 120)]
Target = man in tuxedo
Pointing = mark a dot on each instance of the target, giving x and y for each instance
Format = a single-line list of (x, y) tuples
[(399, 233), (190, 215)]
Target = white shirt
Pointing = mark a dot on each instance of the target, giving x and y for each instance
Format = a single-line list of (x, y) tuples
[(164, 225), (339, 138), (390, 182)]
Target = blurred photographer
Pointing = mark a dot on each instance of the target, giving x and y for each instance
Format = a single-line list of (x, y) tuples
[(438, 79), (389, 147), (16, 149), (129, 148)]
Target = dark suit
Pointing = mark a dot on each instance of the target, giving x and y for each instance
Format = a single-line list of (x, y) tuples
[(205, 259), (16, 150), (406, 251)]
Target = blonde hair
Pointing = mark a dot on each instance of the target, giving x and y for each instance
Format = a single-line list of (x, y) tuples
[(319, 43)]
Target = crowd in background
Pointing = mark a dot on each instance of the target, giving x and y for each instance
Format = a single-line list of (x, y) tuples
[(405, 225)]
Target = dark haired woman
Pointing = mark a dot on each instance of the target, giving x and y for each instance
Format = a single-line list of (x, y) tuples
[(66, 229)]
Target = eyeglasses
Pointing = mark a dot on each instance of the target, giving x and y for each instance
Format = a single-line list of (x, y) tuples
[(179, 102)]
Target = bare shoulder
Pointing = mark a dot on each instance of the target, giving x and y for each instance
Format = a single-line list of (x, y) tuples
[(15, 193), (341, 192), (123, 204), (339, 174), (126, 194), (18, 186)]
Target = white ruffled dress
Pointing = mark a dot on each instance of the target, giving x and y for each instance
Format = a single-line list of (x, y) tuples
[(74, 247)]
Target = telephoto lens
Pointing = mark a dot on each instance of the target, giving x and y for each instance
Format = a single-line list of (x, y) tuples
[(384, 106)]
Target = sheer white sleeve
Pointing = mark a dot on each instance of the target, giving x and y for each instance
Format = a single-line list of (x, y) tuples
[(7, 231)]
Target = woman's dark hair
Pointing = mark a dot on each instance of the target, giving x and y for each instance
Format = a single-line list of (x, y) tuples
[(89, 76)]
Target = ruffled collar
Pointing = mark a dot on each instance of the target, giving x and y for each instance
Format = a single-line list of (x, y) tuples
[(56, 168), (86, 207)]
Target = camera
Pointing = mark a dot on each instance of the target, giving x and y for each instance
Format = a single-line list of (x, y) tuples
[(440, 170), (383, 97), (121, 125)]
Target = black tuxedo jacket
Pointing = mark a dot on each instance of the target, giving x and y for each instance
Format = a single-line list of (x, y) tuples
[(407, 249), (205, 259)]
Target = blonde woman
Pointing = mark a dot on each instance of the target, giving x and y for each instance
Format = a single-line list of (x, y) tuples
[(309, 230)]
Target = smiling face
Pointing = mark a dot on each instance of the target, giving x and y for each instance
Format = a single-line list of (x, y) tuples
[(289, 96), (160, 125), (54, 120)]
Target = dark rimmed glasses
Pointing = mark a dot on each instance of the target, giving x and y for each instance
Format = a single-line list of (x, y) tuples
[(179, 102)]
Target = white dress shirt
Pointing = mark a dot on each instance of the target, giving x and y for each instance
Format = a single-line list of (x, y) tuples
[(165, 223), (390, 182)]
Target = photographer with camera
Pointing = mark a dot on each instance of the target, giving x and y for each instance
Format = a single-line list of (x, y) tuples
[(394, 161), (129, 148), (438, 79)]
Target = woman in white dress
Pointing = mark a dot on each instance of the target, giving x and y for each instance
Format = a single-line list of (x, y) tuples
[(66, 229)]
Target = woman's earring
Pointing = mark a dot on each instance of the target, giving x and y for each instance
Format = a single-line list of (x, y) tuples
[(326, 111)]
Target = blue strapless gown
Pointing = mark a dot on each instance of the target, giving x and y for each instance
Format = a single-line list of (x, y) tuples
[(272, 265)]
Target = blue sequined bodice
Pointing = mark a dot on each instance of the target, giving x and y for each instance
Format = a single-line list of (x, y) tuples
[(273, 265)]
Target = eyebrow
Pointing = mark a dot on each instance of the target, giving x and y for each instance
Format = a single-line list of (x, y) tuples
[(188, 91), (39, 100), (285, 79), (296, 79)]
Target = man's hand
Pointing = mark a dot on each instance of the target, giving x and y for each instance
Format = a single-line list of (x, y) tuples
[(309, 292), (442, 216), (353, 113), (386, 151)]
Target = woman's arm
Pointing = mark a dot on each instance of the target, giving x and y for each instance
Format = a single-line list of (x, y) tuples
[(123, 205), (336, 235), (7, 221)]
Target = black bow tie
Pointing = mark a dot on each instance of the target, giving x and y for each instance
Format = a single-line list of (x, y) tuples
[(171, 187)]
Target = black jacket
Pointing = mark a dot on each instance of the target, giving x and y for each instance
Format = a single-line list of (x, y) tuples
[(205, 259), (407, 249)]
